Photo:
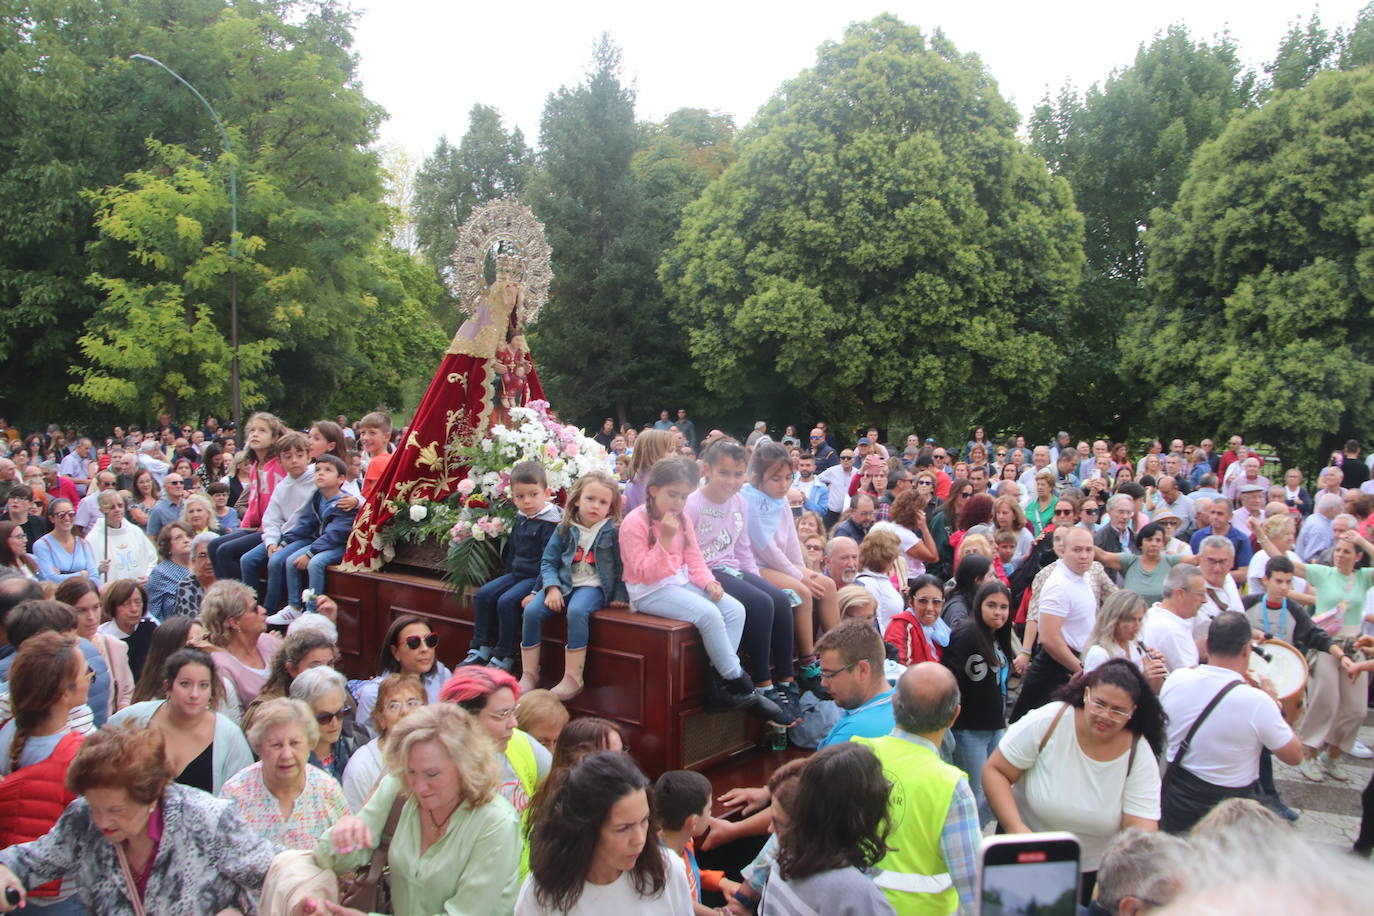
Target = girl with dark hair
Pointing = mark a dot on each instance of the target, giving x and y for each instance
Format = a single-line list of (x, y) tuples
[(204, 747), (1083, 772), (973, 569), (832, 837), (83, 596), (410, 647), (944, 522), (624, 869), (171, 636), (14, 550), (979, 655), (1145, 570), (918, 633), (580, 738)]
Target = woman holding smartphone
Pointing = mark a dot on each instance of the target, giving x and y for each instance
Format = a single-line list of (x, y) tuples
[(1077, 764)]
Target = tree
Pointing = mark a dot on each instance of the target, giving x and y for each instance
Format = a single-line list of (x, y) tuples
[(1262, 277), (487, 163), (399, 167), (883, 244), (1125, 147), (282, 76), (604, 343), (1304, 52)]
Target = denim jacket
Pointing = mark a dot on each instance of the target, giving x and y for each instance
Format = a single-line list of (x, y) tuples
[(556, 566)]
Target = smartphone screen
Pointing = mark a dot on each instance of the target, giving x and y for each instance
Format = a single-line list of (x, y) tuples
[(1029, 874)]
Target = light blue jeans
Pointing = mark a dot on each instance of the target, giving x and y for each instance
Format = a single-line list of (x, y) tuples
[(972, 748), (314, 572), (721, 623)]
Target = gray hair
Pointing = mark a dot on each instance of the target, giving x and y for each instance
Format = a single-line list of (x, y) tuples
[(204, 537), (1329, 501), (1121, 499), (1349, 519), (919, 713), (830, 544), (282, 711), (327, 628), (1181, 575), (108, 498), (314, 683), (1216, 542), (1147, 866)]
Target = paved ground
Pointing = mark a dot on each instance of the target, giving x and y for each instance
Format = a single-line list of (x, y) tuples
[(1330, 810)]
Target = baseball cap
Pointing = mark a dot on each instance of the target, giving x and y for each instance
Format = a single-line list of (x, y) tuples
[(864, 441)]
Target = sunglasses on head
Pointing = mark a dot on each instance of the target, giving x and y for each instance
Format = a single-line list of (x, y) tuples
[(414, 642)]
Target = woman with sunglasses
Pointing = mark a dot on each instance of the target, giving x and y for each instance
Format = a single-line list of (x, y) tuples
[(204, 747), (943, 523), (48, 680), (410, 647), (283, 733), (325, 691), (60, 553), (1077, 764)]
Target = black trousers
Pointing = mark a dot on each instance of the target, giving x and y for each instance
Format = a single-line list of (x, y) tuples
[(1044, 676)]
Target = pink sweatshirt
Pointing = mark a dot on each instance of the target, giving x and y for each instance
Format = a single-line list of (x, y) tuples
[(651, 567), (266, 476), (722, 531), (783, 553)]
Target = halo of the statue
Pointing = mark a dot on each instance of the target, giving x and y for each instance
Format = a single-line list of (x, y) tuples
[(506, 223)]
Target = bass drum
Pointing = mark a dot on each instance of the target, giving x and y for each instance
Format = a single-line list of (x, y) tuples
[(1286, 668)]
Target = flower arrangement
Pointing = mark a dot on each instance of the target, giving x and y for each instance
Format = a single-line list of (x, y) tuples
[(476, 519)]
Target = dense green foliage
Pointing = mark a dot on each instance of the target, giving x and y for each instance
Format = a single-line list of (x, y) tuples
[(112, 245), (884, 243), (1261, 277)]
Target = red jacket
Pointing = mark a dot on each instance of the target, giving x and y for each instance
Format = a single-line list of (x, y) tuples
[(913, 646), (33, 798)]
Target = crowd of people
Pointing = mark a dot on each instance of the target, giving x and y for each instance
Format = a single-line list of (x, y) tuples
[(983, 637)]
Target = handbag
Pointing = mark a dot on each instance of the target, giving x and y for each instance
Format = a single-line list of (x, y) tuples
[(369, 888)]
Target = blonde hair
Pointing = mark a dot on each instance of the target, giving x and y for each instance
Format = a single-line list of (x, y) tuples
[(1018, 515), (1276, 523), (651, 445), (540, 707), (879, 550), (225, 600), (979, 545), (205, 503), (467, 744), (854, 596), (279, 712)]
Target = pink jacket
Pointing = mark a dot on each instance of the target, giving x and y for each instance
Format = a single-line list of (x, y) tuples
[(646, 564), (783, 553), (265, 479)]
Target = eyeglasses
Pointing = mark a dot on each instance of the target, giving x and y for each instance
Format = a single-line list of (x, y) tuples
[(505, 716), (1091, 511), (324, 718), (397, 706), (1063, 512), (68, 514), (1111, 712), (90, 674), (830, 675), (846, 457), (929, 602), (173, 483), (814, 547), (924, 483), (413, 642), (940, 456)]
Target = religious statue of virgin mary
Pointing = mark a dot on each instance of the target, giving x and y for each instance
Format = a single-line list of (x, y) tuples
[(486, 370)]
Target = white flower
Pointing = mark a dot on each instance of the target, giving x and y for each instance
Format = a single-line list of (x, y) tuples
[(419, 512), (307, 596)]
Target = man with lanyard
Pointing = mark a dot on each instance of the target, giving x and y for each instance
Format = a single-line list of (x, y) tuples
[(1218, 724), (1216, 558), (931, 863), (1068, 612), (851, 657)]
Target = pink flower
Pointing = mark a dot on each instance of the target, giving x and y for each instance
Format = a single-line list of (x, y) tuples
[(550, 451), (571, 449), (465, 486)]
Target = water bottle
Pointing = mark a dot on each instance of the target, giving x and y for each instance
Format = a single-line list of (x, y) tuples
[(777, 738)]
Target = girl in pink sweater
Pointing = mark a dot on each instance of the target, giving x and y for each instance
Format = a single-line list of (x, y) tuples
[(666, 576), (773, 536), (261, 433)]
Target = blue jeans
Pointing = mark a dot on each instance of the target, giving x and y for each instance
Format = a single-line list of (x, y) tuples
[(720, 623), (496, 610), (296, 579), (252, 562), (972, 748), (579, 606)]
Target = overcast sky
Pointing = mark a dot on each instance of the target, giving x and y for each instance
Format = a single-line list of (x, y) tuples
[(429, 61)]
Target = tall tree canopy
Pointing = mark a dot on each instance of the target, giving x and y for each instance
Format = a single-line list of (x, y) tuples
[(884, 242), (1262, 276), (488, 163), (98, 220)]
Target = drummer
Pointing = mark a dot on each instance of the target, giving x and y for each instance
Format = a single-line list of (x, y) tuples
[(1274, 615), (1337, 690)]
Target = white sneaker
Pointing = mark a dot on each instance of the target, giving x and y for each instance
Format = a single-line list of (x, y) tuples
[(1331, 767), (1310, 769), (284, 616), (1360, 751)]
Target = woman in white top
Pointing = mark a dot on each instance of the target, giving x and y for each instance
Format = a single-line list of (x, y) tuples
[(598, 852), (1116, 636), (1077, 765), (398, 695), (1283, 534), (877, 553), (122, 550)]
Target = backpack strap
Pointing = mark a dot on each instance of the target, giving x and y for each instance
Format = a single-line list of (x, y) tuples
[(1197, 723), (1055, 724)]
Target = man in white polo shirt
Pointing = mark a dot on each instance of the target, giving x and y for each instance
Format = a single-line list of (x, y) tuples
[(1216, 557), (1068, 610), (1168, 626), (1215, 737)]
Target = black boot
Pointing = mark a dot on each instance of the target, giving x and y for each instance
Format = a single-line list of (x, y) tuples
[(752, 700)]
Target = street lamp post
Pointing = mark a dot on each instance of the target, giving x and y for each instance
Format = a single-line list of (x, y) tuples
[(233, 239)]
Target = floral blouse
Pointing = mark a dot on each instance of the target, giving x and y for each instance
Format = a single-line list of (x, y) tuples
[(320, 804)]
